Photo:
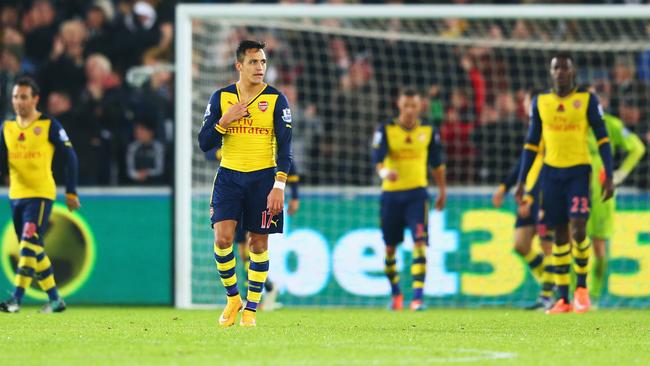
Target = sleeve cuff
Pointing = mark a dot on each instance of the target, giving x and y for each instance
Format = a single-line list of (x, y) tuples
[(531, 147), (529, 199), (71, 196), (220, 129)]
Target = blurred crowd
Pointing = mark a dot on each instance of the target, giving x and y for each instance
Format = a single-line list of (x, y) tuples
[(431, 1), (80, 52), (340, 86)]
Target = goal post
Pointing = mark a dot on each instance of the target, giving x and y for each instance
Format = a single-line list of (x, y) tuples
[(471, 54)]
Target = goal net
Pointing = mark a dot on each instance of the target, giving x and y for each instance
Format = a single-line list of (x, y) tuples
[(341, 68)]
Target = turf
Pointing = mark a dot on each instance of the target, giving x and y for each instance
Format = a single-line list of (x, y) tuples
[(165, 336)]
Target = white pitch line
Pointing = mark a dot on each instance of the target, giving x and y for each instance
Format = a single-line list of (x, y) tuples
[(480, 355), (472, 355)]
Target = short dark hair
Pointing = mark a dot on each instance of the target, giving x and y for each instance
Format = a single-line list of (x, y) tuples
[(30, 82), (563, 55), (408, 91), (62, 92), (248, 45)]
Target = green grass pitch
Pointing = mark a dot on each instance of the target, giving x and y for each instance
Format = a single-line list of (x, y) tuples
[(164, 336)]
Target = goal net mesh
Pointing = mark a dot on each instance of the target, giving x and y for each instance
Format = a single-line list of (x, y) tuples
[(341, 77)]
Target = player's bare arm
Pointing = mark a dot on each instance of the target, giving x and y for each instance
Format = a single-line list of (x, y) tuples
[(439, 176)]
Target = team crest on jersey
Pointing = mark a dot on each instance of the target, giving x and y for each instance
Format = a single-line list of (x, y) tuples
[(408, 140), (560, 108), (286, 115), (577, 104), (37, 130), (21, 137), (263, 105)]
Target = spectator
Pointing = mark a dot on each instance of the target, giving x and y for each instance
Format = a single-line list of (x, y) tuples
[(454, 28), (436, 112), (103, 105), (306, 135), (42, 29), (9, 17), (357, 112), (99, 32), (145, 157), (155, 97), (478, 87), (137, 30), (59, 106), (10, 70), (498, 139), (64, 71), (455, 134), (629, 98)]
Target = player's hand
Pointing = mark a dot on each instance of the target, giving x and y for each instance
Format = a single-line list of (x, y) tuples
[(72, 201), (497, 198), (441, 201), (519, 193), (294, 205), (389, 175), (275, 201), (619, 176), (524, 209), (235, 112), (608, 189), (58, 47)]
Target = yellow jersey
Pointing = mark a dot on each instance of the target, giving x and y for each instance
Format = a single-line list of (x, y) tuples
[(260, 140), (29, 152), (562, 124), (409, 152)]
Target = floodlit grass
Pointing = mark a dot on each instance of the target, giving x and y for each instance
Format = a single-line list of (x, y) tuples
[(164, 336)]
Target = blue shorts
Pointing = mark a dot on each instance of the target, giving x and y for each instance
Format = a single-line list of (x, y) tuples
[(242, 197), (565, 194), (403, 209), (30, 216), (240, 234)]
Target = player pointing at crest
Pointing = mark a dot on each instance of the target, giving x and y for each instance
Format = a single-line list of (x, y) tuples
[(251, 121)]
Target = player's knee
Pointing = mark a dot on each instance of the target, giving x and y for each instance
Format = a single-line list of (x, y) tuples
[(223, 240), (521, 249), (390, 251), (258, 243), (523, 240), (599, 248), (579, 233), (561, 235)]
